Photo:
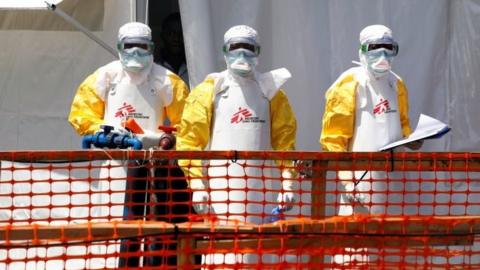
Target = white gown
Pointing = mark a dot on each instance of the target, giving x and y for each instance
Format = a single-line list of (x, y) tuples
[(377, 123), (123, 98)]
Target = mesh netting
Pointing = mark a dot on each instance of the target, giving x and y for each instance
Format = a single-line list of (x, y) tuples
[(130, 209)]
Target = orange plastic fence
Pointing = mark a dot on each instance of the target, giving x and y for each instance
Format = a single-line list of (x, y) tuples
[(131, 209)]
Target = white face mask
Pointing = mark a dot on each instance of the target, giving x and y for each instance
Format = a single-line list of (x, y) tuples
[(136, 59), (241, 62), (379, 66), (377, 62)]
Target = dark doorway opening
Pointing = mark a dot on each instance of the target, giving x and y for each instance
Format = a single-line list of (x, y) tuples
[(165, 21)]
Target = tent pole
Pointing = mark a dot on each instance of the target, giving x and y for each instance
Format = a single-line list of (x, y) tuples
[(80, 27), (147, 16), (133, 10)]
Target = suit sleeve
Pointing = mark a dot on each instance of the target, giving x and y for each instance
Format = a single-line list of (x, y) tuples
[(194, 133), (87, 110), (283, 135), (339, 117), (403, 108), (283, 123), (180, 93)]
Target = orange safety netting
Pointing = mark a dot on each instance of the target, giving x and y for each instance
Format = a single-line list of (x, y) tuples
[(130, 209)]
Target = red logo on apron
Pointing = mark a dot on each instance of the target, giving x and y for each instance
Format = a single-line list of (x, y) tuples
[(381, 107), (240, 116), (125, 110)]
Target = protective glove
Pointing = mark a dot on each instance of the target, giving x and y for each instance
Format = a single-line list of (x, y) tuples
[(149, 139), (286, 198), (200, 199), (276, 215), (352, 195)]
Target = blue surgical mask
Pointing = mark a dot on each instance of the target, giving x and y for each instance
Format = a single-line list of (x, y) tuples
[(241, 62), (136, 59)]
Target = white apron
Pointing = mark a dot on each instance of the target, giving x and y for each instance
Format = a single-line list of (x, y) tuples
[(377, 123), (124, 99), (241, 121), (143, 102)]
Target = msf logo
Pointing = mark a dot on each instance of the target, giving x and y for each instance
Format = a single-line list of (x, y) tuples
[(240, 116), (125, 110), (382, 107)]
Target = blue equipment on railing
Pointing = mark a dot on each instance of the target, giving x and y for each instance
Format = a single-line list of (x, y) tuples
[(110, 139), (277, 214)]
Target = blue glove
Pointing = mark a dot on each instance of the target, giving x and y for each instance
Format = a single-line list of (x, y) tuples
[(277, 214)]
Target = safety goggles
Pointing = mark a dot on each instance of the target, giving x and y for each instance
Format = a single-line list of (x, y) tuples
[(129, 44), (241, 52), (391, 49), (241, 43)]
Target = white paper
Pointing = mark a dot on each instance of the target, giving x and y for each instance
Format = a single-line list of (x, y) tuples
[(427, 127)]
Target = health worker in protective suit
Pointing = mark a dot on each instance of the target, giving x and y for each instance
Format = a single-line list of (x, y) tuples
[(365, 109), (238, 109), (133, 88)]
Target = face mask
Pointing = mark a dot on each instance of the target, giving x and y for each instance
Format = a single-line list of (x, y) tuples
[(378, 62), (241, 62), (136, 59)]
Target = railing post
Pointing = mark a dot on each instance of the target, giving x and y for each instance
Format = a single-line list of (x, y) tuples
[(319, 188), (185, 256)]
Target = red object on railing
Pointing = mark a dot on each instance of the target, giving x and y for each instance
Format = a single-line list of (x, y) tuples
[(133, 126), (167, 129)]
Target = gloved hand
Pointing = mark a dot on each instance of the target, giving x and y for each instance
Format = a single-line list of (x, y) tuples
[(200, 199), (352, 195), (276, 215), (149, 139), (286, 198)]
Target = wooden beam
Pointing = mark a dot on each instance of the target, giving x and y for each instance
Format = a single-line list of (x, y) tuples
[(83, 232), (357, 225), (328, 241)]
